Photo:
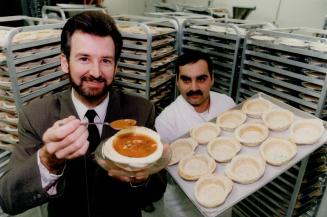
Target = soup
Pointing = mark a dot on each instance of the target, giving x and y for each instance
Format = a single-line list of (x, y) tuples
[(134, 145), (123, 123)]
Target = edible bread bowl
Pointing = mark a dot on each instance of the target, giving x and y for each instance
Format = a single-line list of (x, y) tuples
[(195, 166), (182, 148), (278, 119), (212, 190), (133, 148), (306, 131), (223, 149), (254, 108), (278, 151), (245, 168), (205, 132), (229, 120), (251, 134)]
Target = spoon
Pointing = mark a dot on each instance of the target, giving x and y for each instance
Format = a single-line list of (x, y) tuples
[(117, 124)]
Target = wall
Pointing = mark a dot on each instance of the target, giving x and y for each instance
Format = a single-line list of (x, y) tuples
[(310, 13), (125, 6)]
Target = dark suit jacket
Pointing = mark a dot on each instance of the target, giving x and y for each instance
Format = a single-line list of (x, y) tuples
[(98, 195)]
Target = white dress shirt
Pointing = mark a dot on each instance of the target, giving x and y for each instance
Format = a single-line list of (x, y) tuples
[(48, 179)]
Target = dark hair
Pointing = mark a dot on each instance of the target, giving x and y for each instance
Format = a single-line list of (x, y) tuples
[(193, 57), (95, 23)]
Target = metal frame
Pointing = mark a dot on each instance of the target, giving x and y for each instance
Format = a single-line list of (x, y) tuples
[(260, 55), (149, 71), (9, 49), (46, 10), (233, 42)]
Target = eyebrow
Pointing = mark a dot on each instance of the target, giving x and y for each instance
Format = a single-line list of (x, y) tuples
[(202, 76), (87, 55), (198, 77)]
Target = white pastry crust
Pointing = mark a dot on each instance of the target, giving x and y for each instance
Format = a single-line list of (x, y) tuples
[(246, 168), (278, 119), (278, 151), (212, 190), (205, 132), (195, 166), (223, 149), (182, 148), (306, 131), (133, 163), (251, 134), (229, 120), (254, 108)]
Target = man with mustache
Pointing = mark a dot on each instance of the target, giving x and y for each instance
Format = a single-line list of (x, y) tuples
[(195, 105), (54, 160)]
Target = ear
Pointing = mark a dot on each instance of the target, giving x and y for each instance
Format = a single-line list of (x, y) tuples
[(176, 81), (212, 79), (64, 63), (116, 69)]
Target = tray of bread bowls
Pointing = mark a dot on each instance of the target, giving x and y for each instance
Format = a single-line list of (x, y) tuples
[(133, 151), (219, 163)]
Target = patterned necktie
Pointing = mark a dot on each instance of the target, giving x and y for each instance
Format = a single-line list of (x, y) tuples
[(94, 136)]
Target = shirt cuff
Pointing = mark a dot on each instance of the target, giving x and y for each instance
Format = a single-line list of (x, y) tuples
[(48, 180)]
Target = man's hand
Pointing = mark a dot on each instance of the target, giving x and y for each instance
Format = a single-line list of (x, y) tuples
[(65, 140)]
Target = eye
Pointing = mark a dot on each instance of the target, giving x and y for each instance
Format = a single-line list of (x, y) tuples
[(202, 78), (185, 79), (107, 61), (83, 59)]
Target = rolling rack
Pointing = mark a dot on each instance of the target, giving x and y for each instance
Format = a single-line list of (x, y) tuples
[(206, 10), (179, 18), (29, 68), (64, 11), (223, 41), (146, 66), (289, 64)]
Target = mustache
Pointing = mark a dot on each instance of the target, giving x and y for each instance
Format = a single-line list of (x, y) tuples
[(92, 78), (192, 93)]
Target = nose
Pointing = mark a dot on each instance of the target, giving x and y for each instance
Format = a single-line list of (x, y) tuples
[(194, 85), (95, 70)]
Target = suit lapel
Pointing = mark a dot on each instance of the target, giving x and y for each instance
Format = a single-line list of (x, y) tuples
[(67, 106)]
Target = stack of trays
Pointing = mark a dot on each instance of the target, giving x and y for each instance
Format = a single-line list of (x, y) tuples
[(296, 75), (29, 68), (148, 56)]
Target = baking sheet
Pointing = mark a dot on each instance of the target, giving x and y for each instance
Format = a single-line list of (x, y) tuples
[(240, 191)]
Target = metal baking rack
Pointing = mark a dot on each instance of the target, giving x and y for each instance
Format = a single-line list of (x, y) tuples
[(167, 7), (288, 64), (66, 11), (29, 68), (206, 10), (223, 41), (179, 18), (146, 63)]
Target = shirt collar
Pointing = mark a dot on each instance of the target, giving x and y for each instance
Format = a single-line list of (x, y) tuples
[(81, 109)]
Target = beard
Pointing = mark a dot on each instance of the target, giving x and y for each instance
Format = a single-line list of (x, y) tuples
[(87, 93)]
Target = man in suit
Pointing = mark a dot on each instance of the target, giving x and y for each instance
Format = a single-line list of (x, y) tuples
[(53, 161)]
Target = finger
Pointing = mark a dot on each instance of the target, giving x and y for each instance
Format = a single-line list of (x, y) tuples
[(71, 143), (141, 178), (64, 121), (166, 147), (57, 133), (117, 175), (79, 152)]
